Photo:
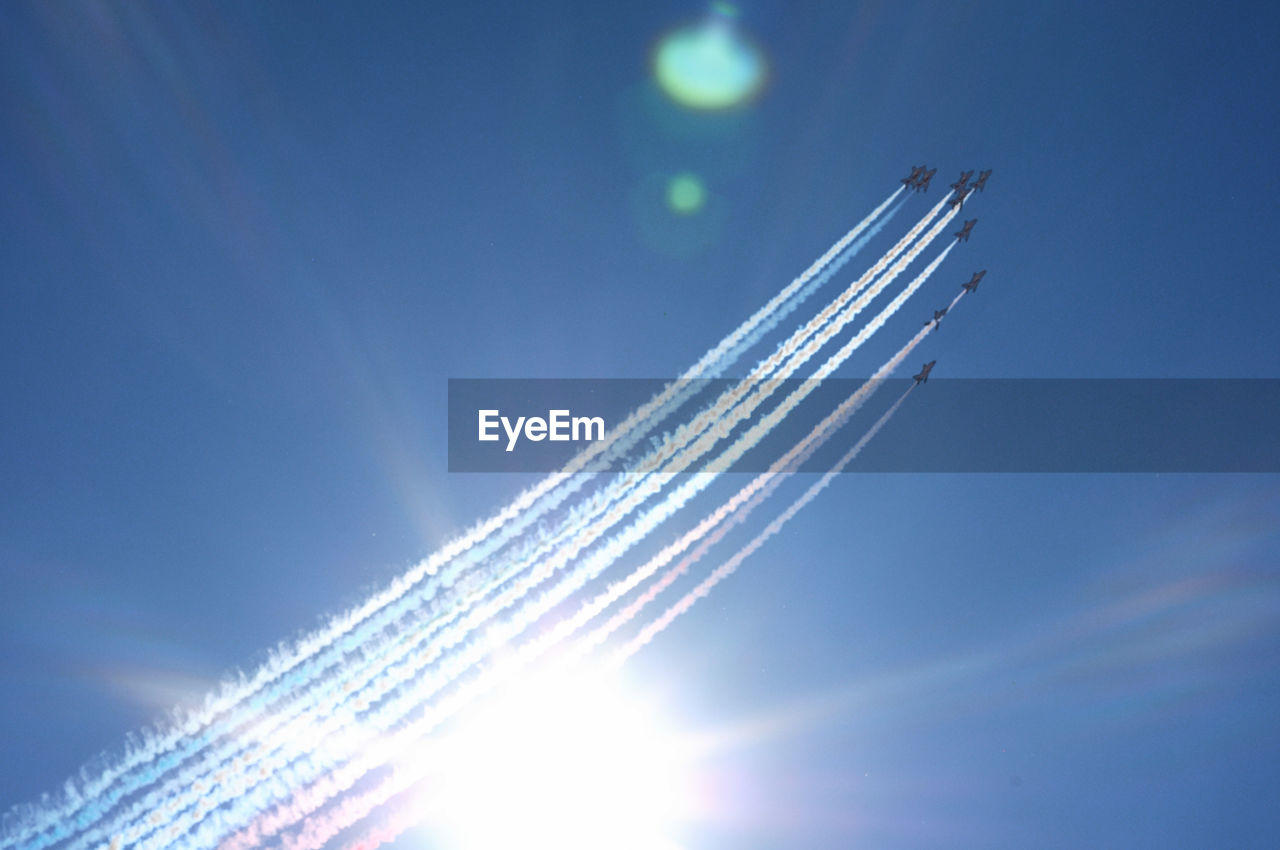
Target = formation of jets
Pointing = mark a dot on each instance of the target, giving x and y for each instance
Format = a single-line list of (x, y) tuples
[(919, 178), (963, 189)]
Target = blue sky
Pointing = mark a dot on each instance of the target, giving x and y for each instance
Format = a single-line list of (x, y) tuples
[(248, 244)]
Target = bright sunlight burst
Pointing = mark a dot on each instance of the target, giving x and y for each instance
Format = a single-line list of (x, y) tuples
[(563, 760)]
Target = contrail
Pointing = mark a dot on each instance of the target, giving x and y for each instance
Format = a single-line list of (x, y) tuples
[(98, 794), (787, 308), (654, 460), (722, 414), (765, 376), (632, 534), (355, 617), (727, 568), (713, 364), (314, 832), (719, 418), (314, 835), (736, 510), (404, 583), (347, 774)]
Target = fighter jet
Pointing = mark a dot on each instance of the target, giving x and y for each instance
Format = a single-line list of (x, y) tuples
[(961, 194), (972, 285), (936, 321), (923, 184), (923, 377), (963, 233), (964, 178), (981, 182), (914, 177)]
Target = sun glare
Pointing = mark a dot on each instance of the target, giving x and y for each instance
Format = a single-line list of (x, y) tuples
[(563, 761), (709, 65)]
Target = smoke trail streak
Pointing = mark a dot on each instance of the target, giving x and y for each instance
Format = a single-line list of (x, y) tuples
[(789, 307), (811, 336), (347, 774), (513, 519), (652, 462), (197, 813), (142, 808), (401, 817), (545, 569), (713, 364), (315, 832), (763, 375), (723, 409), (141, 811), (728, 567), (736, 510)]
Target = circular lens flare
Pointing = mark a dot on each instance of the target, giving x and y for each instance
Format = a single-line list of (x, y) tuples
[(709, 65), (686, 194)]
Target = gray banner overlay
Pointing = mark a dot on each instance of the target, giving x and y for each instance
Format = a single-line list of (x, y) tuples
[(947, 425)]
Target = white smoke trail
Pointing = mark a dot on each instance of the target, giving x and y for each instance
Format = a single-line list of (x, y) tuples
[(141, 813), (722, 414), (728, 567), (546, 568), (144, 810), (516, 516), (347, 774), (133, 830), (316, 832)]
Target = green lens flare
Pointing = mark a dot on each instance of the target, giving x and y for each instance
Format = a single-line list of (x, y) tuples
[(709, 66), (686, 194)]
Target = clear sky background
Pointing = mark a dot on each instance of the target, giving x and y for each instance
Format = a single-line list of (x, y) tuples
[(245, 246)]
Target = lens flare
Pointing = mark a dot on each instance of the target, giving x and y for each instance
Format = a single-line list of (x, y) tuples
[(709, 65), (686, 194)]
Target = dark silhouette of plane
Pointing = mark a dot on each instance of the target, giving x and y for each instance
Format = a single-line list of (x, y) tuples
[(963, 233), (972, 285), (923, 377), (981, 182), (936, 321), (923, 184), (964, 178), (961, 194), (913, 178)]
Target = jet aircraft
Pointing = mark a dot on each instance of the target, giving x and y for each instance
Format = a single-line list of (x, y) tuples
[(961, 194), (963, 233), (913, 178), (964, 178), (923, 184), (936, 321), (972, 285), (981, 182), (923, 377)]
